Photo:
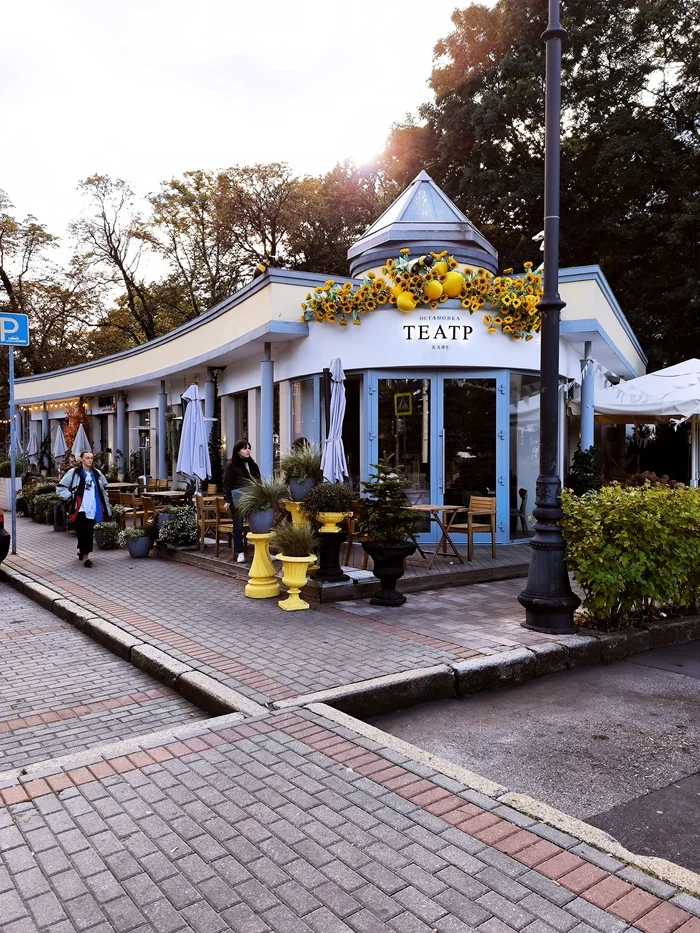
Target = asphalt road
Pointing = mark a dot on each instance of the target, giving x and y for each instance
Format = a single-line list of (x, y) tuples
[(617, 745)]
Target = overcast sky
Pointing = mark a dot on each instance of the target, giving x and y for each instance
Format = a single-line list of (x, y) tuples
[(147, 89)]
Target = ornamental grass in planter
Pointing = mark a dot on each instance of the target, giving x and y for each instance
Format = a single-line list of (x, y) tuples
[(386, 520), (296, 544), (259, 501), (301, 467)]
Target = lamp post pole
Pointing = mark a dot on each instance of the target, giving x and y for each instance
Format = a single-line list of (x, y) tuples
[(547, 598)]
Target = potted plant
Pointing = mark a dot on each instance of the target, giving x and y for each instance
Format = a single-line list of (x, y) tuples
[(301, 467), (181, 530), (258, 501), (138, 541), (387, 522), (165, 515), (296, 544), (329, 504), (106, 535)]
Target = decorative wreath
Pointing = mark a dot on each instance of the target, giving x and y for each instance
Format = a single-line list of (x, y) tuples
[(428, 281)]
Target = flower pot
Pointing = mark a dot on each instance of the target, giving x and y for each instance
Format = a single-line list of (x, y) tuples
[(294, 577), (330, 520), (388, 567), (260, 520), (162, 518), (329, 569), (139, 547), (298, 488)]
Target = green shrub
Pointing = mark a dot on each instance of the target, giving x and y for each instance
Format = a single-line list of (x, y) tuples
[(384, 512), (634, 551), (42, 508), (586, 473), (108, 535), (181, 530), (329, 497), (5, 469)]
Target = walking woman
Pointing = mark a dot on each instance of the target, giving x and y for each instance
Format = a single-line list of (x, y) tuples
[(85, 489), (241, 469)]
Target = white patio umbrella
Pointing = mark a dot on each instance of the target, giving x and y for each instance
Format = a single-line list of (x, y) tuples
[(80, 443), (59, 444), (193, 455), (333, 458), (33, 445)]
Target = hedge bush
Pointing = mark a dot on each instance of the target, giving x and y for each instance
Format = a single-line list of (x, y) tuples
[(634, 550), (5, 469), (42, 508)]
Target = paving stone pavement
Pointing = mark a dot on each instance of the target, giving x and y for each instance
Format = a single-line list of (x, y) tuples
[(205, 620), (61, 692), (291, 823)]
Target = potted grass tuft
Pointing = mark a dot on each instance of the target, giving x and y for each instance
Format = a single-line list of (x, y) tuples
[(296, 544), (106, 535), (138, 540), (259, 501), (301, 467), (329, 504), (387, 522)]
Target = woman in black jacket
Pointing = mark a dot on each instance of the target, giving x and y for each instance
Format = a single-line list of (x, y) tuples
[(241, 469)]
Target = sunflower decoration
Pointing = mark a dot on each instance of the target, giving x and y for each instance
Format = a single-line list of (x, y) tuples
[(429, 280)]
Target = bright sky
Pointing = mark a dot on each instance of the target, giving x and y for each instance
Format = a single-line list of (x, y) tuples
[(147, 89)]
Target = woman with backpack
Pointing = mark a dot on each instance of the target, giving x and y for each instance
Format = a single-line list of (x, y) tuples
[(84, 488)]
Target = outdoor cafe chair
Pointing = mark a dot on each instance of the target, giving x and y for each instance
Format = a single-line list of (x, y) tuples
[(162, 484), (479, 507), (224, 525), (150, 510), (211, 490), (520, 514), (206, 517), (151, 484), (133, 508), (351, 528)]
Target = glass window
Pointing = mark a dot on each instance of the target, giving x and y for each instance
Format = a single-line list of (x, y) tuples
[(240, 417), (404, 431), (470, 439), (305, 419), (524, 451)]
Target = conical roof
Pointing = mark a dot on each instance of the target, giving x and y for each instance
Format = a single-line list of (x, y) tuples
[(422, 218)]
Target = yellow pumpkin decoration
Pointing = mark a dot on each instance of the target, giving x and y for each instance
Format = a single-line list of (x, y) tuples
[(432, 289), (405, 302), (440, 268), (453, 283)]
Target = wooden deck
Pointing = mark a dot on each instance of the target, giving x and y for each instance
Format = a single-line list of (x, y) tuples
[(511, 560)]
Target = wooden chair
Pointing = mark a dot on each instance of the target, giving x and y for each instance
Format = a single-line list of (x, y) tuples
[(151, 484), (212, 490), (206, 517), (162, 484), (351, 528), (224, 525), (114, 497), (150, 510), (520, 514), (133, 506), (479, 506)]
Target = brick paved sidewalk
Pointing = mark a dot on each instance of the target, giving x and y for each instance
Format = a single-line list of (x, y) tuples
[(61, 692), (293, 823), (253, 647)]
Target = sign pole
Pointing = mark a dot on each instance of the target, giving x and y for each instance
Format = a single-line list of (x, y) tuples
[(13, 447)]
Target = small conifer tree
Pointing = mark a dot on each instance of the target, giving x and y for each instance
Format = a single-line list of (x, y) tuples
[(384, 512)]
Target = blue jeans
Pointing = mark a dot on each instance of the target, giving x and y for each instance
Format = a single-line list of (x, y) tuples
[(237, 523)]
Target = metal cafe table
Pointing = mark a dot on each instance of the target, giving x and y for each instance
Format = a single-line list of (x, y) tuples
[(443, 516)]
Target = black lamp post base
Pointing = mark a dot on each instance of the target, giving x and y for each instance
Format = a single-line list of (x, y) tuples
[(551, 622)]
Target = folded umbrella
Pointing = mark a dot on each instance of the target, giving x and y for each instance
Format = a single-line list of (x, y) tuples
[(193, 455)]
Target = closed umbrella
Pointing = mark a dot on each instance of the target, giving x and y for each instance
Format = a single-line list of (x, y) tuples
[(80, 443), (59, 444), (333, 458), (33, 446), (193, 455)]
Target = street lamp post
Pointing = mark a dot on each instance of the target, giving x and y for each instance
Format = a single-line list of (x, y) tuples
[(547, 598)]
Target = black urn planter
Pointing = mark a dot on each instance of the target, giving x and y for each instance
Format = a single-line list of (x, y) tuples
[(329, 569), (388, 567)]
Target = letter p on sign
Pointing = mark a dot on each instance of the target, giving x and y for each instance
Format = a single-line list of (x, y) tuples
[(14, 330)]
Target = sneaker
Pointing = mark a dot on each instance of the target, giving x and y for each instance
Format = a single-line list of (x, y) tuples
[(80, 555), (87, 562), (240, 559)]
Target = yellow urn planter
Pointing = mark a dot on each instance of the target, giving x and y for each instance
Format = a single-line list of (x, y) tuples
[(294, 571), (329, 521)]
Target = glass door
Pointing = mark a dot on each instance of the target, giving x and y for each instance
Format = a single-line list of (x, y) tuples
[(404, 432)]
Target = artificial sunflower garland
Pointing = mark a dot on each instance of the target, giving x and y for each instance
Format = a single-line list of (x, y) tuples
[(429, 281)]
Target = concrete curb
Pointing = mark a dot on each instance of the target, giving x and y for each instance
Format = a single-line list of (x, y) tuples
[(536, 810), (198, 688), (383, 694)]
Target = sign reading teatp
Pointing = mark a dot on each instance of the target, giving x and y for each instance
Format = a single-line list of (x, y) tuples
[(441, 331), (14, 330)]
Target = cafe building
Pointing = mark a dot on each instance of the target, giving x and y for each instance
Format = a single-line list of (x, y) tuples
[(448, 395)]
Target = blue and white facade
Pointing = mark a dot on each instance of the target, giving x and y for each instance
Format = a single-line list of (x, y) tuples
[(457, 406)]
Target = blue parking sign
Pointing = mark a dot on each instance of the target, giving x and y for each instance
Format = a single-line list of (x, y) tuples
[(14, 329)]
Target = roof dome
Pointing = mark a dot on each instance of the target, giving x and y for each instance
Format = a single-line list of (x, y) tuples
[(423, 219)]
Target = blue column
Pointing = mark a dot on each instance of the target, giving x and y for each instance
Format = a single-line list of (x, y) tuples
[(162, 430), (587, 400), (121, 451), (209, 399), (267, 403)]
